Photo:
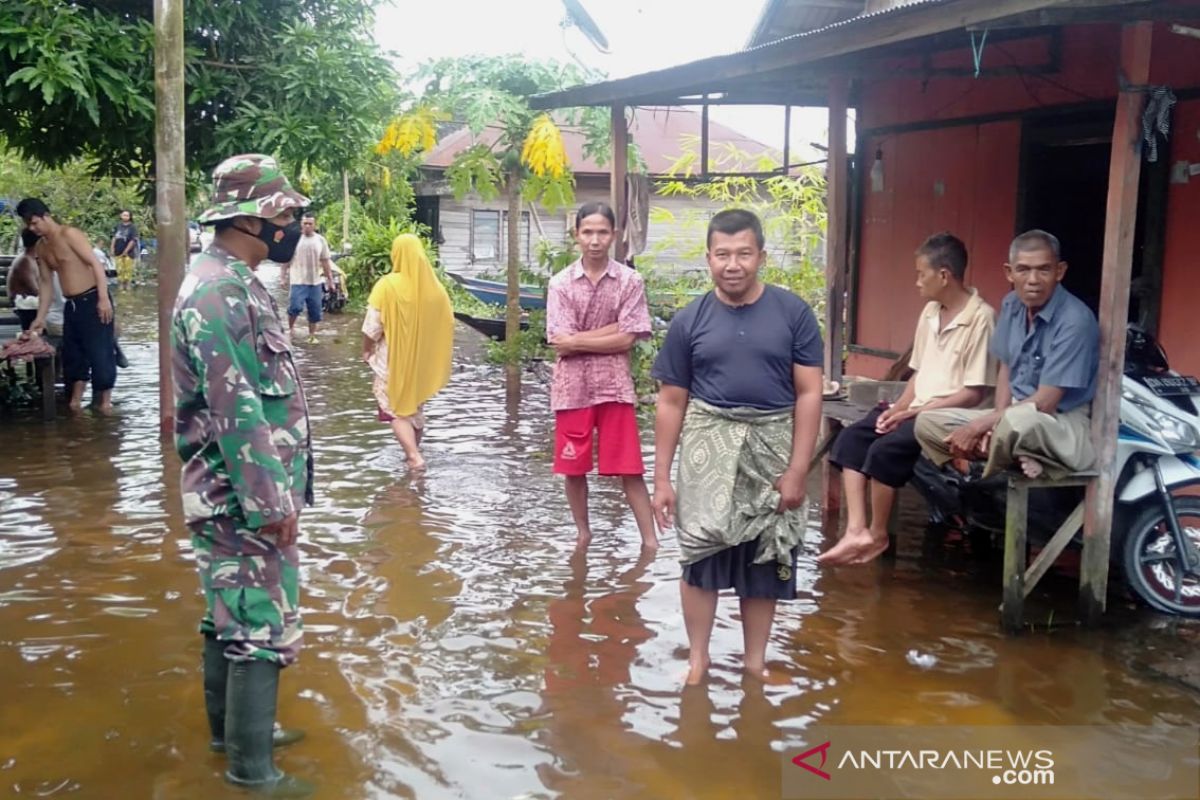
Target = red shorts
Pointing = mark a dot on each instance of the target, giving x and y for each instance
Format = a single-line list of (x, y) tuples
[(620, 445)]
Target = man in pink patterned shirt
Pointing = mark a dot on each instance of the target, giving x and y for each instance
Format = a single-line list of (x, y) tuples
[(595, 313)]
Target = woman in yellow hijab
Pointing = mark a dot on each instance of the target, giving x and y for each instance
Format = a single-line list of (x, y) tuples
[(408, 340)]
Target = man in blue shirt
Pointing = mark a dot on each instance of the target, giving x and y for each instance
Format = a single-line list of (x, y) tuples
[(1048, 345)]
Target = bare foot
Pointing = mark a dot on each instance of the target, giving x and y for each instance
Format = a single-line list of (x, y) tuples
[(104, 409), (697, 671), (649, 546), (582, 541), (1031, 467), (878, 547), (75, 406), (761, 673), (849, 547), (416, 463)]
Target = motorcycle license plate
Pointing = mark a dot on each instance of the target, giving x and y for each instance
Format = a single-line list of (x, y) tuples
[(1173, 385)]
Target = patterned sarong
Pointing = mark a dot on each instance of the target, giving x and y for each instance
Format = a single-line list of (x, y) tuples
[(729, 461)]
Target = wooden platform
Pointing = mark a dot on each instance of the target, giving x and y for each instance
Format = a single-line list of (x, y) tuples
[(1020, 577), (1020, 580)]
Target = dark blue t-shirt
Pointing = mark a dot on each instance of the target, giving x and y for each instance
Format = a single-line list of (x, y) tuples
[(741, 356)]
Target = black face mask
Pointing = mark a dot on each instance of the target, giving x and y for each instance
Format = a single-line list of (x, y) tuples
[(281, 240)]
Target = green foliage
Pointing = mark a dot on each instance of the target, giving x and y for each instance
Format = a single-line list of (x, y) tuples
[(792, 208), (299, 78), (371, 257), (554, 258), (530, 345), (489, 92), (73, 195), (475, 169), (75, 75)]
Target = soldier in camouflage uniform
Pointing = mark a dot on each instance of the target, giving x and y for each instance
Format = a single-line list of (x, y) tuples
[(242, 433)]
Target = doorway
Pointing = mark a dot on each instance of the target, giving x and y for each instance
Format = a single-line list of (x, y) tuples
[(426, 211), (1064, 180)]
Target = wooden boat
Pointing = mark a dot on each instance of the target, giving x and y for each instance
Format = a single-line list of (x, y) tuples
[(493, 328), (496, 292)]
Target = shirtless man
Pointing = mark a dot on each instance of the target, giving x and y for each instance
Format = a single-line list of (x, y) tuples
[(23, 280), (89, 351)]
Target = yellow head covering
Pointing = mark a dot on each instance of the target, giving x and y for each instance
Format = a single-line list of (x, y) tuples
[(418, 326)]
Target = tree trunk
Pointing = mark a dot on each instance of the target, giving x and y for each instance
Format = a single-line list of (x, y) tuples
[(170, 209), (512, 317), (345, 209)]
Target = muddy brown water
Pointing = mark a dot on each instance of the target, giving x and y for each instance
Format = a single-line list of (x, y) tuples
[(454, 647)]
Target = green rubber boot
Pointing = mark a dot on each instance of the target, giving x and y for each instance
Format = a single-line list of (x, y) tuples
[(216, 677), (249, 722)]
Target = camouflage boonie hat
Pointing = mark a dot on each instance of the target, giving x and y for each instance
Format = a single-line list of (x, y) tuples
[(250, 185)]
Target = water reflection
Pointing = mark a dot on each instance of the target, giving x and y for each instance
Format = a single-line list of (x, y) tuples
[(454, 645)]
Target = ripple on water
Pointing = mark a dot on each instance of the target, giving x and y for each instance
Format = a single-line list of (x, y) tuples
[(454, 644)]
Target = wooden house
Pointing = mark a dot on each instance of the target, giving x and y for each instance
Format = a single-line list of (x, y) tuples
[(472, 230), (986, 118)]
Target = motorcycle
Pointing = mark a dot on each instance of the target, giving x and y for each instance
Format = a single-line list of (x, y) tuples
[(1156, 530), (334, 299)]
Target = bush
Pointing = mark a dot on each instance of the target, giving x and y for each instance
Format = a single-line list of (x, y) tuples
[(74, 197)]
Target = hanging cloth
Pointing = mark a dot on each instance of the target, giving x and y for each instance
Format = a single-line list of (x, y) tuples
[(637, 220), (1156, 118)]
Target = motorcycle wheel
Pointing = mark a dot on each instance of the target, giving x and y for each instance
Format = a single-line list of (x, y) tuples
[(1153, 568)]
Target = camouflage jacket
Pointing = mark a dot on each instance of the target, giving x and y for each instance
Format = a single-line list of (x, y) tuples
[(241, 420)]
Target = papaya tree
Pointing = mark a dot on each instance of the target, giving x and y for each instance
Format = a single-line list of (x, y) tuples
[(524, 158)]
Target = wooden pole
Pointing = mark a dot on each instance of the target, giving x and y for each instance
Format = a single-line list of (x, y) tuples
[(620, 164), (512, 316), (169, 207), (837, 211), (345, 209), (1120, 222)]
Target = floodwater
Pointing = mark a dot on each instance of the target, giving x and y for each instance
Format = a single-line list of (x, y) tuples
[(454, 646)]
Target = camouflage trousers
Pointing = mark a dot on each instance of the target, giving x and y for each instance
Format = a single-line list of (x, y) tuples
[(251, 591)]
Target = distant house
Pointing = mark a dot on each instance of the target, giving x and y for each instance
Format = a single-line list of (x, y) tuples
[(473, 231)]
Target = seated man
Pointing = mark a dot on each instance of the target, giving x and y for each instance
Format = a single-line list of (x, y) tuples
[(953, 370), (1048, 345), (23, 280)]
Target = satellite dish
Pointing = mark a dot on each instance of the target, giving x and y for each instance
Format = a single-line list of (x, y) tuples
[(578, 16)]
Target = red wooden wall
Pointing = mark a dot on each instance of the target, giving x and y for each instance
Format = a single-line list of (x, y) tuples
[(1179, 326), (964, 178)]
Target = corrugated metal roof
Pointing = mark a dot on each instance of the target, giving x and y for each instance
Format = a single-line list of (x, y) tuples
[(659, 133), (711, 74), (780, 18), (854, 20)]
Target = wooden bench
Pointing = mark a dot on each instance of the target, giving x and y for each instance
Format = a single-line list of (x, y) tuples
[(44, 368), (1019, 579), (836, 414)]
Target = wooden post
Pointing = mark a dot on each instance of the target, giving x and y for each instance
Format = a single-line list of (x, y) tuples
[(620, 164), (831, 481), (346, 209), (512, 315), (837, 210), (1120, 219), (170, 210), (46, 368), (1016, 518)]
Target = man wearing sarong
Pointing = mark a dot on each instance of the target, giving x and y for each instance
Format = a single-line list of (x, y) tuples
[(242, 432), (1048, 345), (740, 395)]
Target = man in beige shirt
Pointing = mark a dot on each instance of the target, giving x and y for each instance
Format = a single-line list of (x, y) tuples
[(953, 369)]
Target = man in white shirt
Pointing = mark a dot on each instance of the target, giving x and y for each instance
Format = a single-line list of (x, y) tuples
[(304, 271)]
